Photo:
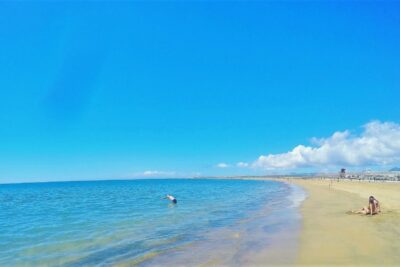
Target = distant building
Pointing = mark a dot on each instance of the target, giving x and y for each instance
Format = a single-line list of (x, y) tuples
[(367, 175), (342, 173)]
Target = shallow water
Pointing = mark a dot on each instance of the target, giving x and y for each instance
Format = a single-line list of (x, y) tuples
[(127, 222)]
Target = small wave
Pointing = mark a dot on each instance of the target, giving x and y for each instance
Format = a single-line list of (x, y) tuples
[(297, 196)]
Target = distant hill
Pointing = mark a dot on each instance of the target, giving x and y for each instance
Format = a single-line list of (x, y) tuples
[(395, 169)]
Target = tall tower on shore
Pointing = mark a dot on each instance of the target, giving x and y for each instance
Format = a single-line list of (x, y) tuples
[(342, 173)]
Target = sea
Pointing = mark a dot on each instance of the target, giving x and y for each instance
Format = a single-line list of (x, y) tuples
[(224, 222)]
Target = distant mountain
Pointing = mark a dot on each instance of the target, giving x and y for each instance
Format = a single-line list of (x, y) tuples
[(395, 169)]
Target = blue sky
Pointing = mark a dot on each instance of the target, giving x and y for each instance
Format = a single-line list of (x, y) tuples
[(112, 90)]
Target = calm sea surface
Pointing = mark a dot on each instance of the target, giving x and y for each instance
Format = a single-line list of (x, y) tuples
[(107, 223)]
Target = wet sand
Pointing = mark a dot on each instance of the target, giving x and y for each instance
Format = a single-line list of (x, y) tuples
[(331, 236)]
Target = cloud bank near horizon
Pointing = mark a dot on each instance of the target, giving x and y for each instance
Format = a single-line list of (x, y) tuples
[(377, 144), (152, 173), (162, 174)]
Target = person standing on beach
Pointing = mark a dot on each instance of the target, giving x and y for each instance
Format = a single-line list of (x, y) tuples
[(172, 198)]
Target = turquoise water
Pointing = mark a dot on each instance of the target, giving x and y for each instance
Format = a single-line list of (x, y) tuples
[(111, 222)]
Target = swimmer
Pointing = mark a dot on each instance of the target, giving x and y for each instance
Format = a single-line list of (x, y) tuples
[(172, 198)]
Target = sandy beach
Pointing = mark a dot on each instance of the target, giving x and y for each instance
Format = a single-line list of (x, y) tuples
[(332, 236)]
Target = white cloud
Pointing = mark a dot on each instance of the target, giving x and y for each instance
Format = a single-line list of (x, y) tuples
[(222, 165), (242, 164), (158, 174), (378, 144)]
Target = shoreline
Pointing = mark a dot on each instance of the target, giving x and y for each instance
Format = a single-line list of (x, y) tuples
[(269, 236)]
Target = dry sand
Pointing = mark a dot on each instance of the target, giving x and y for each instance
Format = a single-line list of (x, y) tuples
[(330, 236)]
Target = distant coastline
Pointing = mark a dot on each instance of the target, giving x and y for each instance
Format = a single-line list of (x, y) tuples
[(391, 175)]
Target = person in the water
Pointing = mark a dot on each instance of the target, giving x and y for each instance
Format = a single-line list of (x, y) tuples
[(172, 198)]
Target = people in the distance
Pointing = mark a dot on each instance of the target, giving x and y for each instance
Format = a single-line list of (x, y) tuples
[(172, 198)]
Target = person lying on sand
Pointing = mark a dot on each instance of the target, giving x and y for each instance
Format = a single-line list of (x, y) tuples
[(372, 209)]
